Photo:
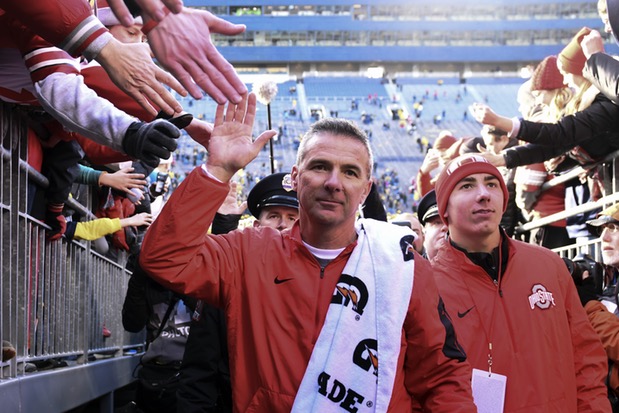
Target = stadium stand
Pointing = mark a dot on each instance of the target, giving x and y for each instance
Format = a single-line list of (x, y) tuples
[(329, 53)]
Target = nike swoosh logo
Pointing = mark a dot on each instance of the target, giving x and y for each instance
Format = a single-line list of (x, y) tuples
[(461, 315), (281, 281)]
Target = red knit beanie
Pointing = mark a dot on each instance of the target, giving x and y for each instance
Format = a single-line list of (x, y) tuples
[(444, 141), (547, 76), (458, 169), (572, 57)]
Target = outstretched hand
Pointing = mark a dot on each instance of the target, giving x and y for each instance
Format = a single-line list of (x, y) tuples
[(123, 179), (182, 44), (137, 220), (151, 8), (231, 146), (496, 159), (132, 69), (483, 113)]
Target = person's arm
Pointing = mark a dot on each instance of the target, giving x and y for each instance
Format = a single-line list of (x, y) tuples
[(529, 180), (190, 210), (96, 228), (132, 69), (600, 117), (187, 216), (123, 179), (436, 371), (602, 71), (61, 91), (606, 325), (80, 109), (528, 154), (98, 154), (88, 175), (68, 24), (137, 220), (485, 115)]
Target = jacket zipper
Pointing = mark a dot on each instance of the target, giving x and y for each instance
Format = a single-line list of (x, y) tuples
[(496, 284)]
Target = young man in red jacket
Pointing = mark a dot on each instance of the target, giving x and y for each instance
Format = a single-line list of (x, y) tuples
[(515, 307), (322, 288)]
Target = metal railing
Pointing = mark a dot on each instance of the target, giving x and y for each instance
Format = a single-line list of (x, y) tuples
[(611, 190), (56, 296)]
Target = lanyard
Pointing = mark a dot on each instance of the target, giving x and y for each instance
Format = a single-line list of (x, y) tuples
[(497, 295)]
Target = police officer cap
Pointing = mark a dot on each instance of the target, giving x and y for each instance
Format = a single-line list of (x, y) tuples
[(274, 190), (427, 207)]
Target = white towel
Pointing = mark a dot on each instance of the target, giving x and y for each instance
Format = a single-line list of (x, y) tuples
[(363, 326)]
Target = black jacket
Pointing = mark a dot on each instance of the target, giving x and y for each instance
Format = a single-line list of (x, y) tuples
[(602, 71), (595, 130)]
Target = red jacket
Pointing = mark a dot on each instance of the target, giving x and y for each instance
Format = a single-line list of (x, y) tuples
[(276, 297), (68, 24), (606, 325), (541, 338)]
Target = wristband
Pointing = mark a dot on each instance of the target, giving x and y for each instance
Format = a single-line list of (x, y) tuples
[(151, 24)]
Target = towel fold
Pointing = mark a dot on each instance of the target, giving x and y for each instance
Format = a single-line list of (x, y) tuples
[(363, 326)]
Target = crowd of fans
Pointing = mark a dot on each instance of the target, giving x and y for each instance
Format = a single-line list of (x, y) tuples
[(99, 115)]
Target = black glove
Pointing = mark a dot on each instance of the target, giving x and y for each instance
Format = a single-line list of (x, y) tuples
[(586, 291), (149, 142)]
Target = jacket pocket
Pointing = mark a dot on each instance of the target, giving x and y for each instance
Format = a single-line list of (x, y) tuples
[(265, 400)]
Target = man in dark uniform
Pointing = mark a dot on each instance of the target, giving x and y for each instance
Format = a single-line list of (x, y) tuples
[(434, 229)]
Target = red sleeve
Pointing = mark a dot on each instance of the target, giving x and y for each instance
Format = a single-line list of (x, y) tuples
[(436, 371), (99, 154), (40, 56), (175, 247), (68, 24), (606, 325), (98, 80), (590, 362)]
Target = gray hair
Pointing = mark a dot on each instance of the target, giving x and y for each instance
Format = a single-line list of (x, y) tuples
[(336, 126)]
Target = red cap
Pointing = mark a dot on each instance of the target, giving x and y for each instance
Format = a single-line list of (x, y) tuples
[(547, 75)]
